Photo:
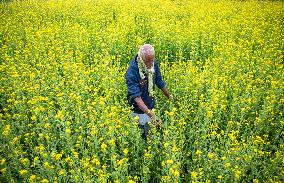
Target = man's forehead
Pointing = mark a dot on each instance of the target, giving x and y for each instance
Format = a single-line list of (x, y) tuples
[(149, 56)]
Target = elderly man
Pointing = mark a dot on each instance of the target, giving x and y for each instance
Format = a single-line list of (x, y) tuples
[(141, 76)]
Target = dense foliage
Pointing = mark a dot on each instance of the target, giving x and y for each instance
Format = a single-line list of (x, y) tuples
[(63, 110)]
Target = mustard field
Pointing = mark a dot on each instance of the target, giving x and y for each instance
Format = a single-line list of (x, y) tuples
[(64, 116)]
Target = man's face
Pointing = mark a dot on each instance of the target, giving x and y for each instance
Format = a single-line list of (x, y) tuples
[(149, 59)]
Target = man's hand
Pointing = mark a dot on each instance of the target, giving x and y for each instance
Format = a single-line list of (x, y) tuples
[(155, 120), (151, 114), (166, 93)]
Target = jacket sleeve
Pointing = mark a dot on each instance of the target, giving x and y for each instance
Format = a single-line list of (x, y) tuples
[(158, 79), (132, 85)]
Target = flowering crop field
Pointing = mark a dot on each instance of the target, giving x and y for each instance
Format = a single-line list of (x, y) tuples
[(63, 110)]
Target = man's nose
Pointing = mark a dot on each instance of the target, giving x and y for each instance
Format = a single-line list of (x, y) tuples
[(149, 64)]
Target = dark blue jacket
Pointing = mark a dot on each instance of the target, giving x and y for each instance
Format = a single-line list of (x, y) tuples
[(137, 87)]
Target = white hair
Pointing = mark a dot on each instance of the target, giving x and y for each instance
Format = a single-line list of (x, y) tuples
[(146, 49)]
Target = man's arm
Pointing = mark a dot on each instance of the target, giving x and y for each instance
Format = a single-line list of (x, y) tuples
[(160, 83), (166, 92), (143, 107)]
